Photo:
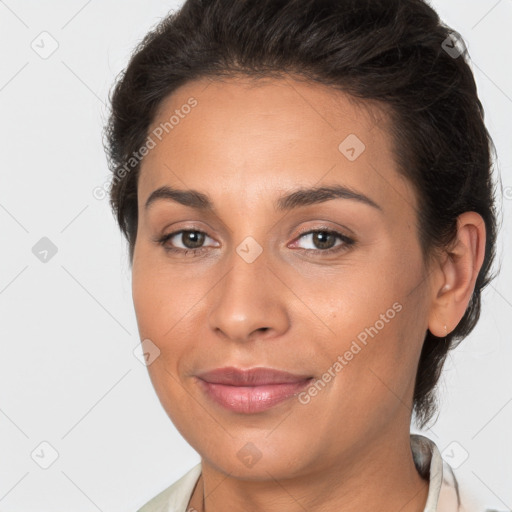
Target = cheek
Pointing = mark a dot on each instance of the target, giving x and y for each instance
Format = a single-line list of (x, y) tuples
[(160, 297), (146, 297), (161, 317), (376, 326), (169, 308)]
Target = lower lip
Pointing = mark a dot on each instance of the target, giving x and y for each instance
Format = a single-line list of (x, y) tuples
[(252, 399)]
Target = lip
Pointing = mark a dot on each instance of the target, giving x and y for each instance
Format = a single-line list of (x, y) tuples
[(253, 390)]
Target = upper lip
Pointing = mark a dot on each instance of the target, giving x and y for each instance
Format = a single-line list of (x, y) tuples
[(251, 377)]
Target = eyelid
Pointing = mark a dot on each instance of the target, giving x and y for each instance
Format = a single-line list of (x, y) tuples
[(167, 236), (323, 226), (340, 230), (346, 241)]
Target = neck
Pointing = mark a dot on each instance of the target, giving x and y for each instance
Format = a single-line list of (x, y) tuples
[(382, 478)]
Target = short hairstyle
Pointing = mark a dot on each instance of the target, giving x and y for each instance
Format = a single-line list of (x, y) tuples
[(396, 53)]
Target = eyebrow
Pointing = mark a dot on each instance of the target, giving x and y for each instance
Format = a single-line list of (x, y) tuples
[(296, 199)]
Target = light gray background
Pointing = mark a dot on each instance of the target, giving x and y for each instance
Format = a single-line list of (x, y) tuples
[(68, 375)]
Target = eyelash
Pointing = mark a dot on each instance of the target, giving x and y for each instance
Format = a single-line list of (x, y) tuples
[(347, 242)]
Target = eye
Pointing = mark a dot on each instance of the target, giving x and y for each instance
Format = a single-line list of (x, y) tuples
[(191, 241), (325, 241)]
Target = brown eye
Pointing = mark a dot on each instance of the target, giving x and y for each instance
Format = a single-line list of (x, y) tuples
[(192, 239), (323, 240), (186, 241)]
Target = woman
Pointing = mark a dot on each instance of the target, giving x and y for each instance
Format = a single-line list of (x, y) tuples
[(305, 188)]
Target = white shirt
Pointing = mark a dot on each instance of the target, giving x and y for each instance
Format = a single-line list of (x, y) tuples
[(443, 493)]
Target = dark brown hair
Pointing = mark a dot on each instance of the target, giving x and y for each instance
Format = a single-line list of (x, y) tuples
[(394, 52)]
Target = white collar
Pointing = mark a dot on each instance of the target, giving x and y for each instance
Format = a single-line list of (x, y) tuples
[(443, 491)]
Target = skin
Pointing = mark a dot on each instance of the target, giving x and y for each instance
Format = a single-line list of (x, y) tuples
[(245, 145)]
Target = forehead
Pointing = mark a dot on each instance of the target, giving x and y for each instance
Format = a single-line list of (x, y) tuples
[(271, 134)]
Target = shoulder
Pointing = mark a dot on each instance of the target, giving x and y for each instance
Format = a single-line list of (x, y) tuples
[(176, 497), (454, 495), (447, 490)]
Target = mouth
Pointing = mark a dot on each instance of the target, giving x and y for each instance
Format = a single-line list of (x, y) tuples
[(250, 391)]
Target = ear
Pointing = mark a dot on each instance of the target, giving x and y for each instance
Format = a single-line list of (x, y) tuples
[(453, 285)]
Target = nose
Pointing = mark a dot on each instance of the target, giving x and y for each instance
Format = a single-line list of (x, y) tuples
[(249, 302)]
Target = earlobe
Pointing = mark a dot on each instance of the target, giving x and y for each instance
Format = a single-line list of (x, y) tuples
[(458, 274)]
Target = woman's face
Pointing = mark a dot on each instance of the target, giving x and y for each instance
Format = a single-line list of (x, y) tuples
[(346, 306)]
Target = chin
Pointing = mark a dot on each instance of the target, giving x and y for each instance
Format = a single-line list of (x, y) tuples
[(239, 464)]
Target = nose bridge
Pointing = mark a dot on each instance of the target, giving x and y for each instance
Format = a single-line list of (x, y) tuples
[(247, 297)]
